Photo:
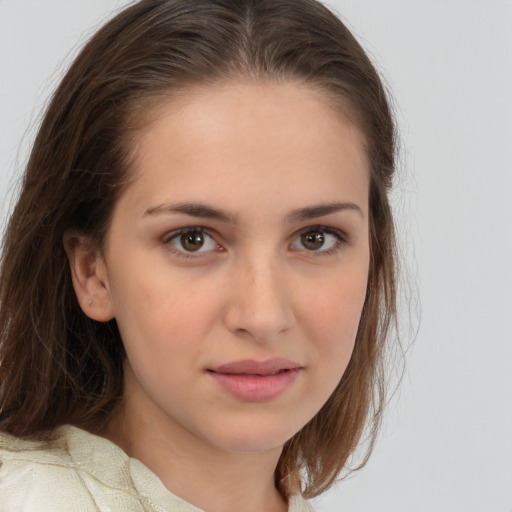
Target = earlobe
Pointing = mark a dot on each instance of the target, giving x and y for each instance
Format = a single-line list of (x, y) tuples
[(90, 277)]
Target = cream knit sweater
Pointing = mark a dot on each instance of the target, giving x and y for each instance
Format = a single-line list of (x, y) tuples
[(80, 472)]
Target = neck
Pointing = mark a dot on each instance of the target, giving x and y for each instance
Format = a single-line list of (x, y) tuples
[(204, 475)]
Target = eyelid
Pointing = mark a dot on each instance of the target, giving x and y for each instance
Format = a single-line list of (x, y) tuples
[(342, 237), (171, 235), (342, 240)]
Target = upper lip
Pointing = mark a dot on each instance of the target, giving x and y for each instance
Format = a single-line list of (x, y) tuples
[(253, 367)]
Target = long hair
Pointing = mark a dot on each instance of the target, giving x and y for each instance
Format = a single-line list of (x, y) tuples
[(57, 365)]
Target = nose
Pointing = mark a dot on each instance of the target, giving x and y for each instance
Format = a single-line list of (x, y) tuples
[(259, 305)]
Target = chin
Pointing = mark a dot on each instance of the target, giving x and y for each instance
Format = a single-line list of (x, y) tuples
[(252, 436), (256, 444)]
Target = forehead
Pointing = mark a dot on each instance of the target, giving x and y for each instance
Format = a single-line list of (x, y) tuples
[(250, 140)]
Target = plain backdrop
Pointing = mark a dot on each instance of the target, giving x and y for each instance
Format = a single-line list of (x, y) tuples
[(446, 444)]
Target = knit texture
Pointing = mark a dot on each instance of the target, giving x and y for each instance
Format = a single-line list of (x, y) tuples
[(76, 470)]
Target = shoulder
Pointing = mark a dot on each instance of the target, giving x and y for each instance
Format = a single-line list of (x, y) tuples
[(37, 475), (45, 475)]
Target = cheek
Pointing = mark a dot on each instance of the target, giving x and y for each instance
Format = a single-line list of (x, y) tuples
[(163, 320), (159, 321), (162, 341), (158, 299), (335, 312), (335, 328), (332, 318)]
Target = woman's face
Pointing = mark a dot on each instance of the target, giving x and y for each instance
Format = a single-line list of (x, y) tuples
[(236, 263)]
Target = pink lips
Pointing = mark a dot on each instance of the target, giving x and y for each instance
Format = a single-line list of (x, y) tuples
[(254, 381)]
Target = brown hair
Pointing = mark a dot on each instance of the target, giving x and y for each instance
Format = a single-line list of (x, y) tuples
[(58, 366)]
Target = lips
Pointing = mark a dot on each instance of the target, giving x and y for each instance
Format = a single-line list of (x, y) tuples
[(256, 381), (251, 367)]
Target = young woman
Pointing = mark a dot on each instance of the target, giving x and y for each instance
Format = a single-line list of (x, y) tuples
[(198, 277)]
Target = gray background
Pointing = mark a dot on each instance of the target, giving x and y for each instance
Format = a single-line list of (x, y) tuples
[(446, 443)]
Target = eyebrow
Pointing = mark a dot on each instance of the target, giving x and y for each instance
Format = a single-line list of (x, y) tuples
[(312, 212), (204, 211), (199, 210)]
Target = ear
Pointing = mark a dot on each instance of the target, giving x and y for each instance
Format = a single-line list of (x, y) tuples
[(89, 276)]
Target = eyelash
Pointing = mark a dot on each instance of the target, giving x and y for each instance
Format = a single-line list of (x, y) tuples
[(169, 237), (341, 237), (342, 240)]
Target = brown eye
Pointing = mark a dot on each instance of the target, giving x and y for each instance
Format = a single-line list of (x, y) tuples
[(313, 240), (192, 241), (322, 240)]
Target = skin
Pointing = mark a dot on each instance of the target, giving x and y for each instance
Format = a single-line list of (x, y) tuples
[(259, 152)]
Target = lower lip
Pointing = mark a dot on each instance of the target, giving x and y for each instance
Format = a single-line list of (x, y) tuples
[(255, 388)]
